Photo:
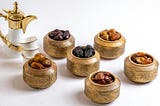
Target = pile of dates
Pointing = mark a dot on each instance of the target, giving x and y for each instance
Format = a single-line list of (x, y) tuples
[(39, 61), (59, 34), (142, 58), (103, 78), (84, 51), (110, 35)]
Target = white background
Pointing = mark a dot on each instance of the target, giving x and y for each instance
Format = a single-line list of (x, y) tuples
[(137, 20)]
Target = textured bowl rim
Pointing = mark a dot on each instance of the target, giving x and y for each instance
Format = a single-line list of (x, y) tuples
[(142, 65)]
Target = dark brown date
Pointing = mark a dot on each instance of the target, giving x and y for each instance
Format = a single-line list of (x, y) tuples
[(103, 78)]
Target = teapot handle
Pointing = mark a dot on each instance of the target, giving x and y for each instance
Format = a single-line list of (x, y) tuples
[(9, 44)]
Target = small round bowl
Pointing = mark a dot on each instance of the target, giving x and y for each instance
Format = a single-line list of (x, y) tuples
[(109, 49), (39, 78), (30, 53), (82, 66), (29, 43), (102, 93), (140, 73), (58, 49)]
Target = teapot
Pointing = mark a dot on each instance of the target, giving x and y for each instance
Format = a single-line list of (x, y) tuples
[(17, 23)]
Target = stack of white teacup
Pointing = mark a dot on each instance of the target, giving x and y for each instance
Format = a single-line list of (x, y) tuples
[(29, 47)]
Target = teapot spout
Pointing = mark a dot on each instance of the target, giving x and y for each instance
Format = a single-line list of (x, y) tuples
[(26, 21), (2, 15)]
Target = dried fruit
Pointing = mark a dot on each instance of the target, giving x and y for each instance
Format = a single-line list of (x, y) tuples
[(39, 57), (110, 35), (104, 35), (66, 34), (46, 63), (78, 51), (103, 78), (39, 61), (59, 34), (83, 51), (36, 65), (141, 58)]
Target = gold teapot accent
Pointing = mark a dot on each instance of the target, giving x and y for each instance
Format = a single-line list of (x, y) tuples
[(16, 21), (9, 44)]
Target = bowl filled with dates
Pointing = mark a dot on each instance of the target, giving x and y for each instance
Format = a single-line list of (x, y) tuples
[(109, 43), (102, 87), (83, 60), (57, 42), (141, 67), (39, 72)]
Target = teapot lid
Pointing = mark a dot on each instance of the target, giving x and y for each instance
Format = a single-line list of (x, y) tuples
[(15, 14)]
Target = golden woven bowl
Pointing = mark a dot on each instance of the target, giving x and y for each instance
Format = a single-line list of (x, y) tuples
[(109, 49), (140, 73), (82, 66), (39, 78), (102, 93), (58, 49)]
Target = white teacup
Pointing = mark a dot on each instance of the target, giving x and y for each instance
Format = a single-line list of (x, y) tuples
[(25, 58), (30, 53), (29, 43)]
